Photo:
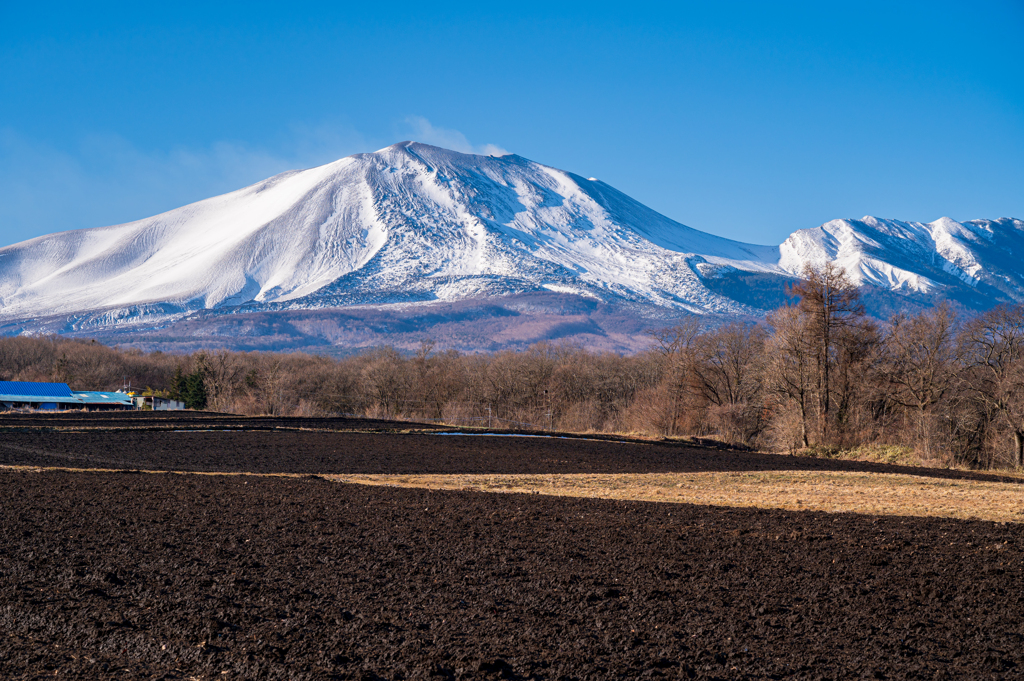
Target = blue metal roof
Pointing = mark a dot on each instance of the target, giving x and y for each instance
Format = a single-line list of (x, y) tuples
[(36, 399), (24, 392), (25, 388), (93, 397)]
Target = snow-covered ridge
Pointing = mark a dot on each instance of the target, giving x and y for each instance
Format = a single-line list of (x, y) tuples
[(413, 223), (916, 257)]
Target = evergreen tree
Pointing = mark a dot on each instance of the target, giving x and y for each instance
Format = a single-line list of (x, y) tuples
[(194, 393), (177, 385)]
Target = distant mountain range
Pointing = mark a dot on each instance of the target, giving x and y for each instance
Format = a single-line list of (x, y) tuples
[(414, 241)]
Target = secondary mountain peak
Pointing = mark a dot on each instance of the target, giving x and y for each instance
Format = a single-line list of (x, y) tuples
[(970, 260)]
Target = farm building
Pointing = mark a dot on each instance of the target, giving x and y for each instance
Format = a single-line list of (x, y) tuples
[(157, 403), (96, 401), (58, 396)]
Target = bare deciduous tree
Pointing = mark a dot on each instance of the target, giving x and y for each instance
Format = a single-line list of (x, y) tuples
[(830, 305), (995, 345), (920, 365), (788, 365)]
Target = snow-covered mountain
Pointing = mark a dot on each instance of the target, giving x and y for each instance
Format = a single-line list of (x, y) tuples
[(410, 222), (981, 260), (413, 223)]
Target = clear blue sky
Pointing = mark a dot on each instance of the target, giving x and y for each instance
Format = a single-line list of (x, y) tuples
[(748, 120)]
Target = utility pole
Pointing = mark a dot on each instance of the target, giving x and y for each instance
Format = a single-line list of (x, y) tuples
[(548, 401)]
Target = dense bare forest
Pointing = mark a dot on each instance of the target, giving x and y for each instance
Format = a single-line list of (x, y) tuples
[(818, 376)]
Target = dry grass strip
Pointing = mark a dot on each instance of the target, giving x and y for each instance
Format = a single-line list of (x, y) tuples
[(834, 492)]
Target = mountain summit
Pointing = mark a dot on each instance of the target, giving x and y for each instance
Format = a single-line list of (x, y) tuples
[(410, 222), (413, 223)]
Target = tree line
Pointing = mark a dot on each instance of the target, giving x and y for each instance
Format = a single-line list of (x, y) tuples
[(818, 376)]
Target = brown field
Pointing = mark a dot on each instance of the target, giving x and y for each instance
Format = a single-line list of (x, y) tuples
[(409, 455), (239, 553), (838, 492)]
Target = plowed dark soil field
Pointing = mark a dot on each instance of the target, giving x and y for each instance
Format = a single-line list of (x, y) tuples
[(134, 575), (173, 441), (140, 576), (193, 419)]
